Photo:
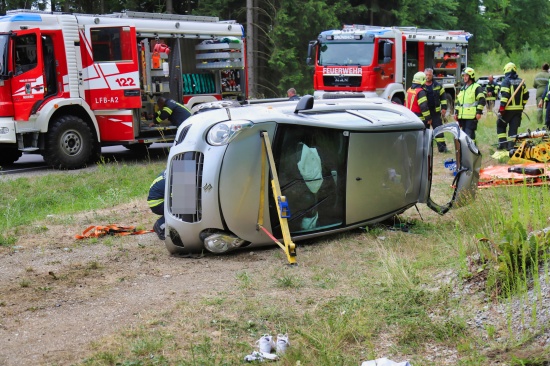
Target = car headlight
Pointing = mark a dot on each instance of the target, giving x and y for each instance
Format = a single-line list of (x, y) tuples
[(223, 132)]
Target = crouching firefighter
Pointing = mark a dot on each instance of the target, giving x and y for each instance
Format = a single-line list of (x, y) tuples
[(155, 200), (417, 99)]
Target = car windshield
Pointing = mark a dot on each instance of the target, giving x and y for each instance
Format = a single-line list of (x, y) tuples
[(341, 54), (4, 42)]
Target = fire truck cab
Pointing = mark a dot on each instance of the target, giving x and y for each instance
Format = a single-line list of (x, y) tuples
[(366, 61), (70, 84)]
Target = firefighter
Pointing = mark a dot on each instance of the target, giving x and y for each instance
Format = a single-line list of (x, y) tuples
[(513, 98), (470, 102), (540, 83), (437, 103), (417, 100), (546, 100), (491, 92), (155, 200), (169, 109)]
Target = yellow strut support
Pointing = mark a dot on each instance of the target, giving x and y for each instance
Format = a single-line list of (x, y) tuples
[(288, 247)]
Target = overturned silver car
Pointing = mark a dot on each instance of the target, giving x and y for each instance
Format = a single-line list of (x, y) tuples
[(253, 175)]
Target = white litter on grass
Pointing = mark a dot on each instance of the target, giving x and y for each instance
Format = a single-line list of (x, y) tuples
[(385, 362)]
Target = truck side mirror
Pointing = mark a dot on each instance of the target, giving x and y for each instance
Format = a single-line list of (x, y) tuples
[(310, 48)]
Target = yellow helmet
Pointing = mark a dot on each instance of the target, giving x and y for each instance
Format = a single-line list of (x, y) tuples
[(419, 78), (510, 66), (469, 71)]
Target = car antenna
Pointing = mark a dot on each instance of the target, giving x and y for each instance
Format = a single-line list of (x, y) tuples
[(305, 102)]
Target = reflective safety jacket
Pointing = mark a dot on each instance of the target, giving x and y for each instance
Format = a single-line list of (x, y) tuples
[(173, 111), (470, 101), (156, 191), (436, 96), (508, 87), (417, 102), (493, 88)]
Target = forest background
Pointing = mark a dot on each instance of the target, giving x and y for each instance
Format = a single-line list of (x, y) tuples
[(504, 30)]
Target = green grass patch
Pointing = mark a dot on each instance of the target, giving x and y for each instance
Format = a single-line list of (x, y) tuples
[(26, 200)]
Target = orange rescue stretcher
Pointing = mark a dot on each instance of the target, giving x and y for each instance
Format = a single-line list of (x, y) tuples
[(532, 174)]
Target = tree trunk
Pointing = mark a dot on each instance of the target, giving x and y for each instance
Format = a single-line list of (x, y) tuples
[(250, 48)]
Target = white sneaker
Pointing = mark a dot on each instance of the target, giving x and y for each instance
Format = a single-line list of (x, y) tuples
[(265, 344), (282, 343)]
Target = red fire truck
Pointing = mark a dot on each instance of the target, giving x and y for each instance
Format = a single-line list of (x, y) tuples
[(70, 84), (367, 61)]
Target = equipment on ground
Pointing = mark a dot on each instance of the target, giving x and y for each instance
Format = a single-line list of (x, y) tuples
[(534, 146)]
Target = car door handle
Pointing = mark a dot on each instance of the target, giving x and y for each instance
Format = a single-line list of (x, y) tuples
[(38, 87), (358, 179)]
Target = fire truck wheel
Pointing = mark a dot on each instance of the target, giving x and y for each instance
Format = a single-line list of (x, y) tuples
[(69, 143), (9, 156)]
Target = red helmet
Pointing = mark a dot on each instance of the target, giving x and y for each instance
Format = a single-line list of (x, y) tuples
[(161, 48)]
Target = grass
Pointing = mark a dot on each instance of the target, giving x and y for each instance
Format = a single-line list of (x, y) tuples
[(356, 296), (27, 200)]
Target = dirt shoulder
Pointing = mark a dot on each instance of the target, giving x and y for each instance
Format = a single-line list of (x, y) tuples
[(58, 295)]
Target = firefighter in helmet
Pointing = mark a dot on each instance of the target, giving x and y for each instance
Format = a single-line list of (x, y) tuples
[(438, 106), (171, 110), (513, 98), (417, 99), (470, 102)]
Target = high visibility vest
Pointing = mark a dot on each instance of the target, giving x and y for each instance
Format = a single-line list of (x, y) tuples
[(466, 102), (412, 100)]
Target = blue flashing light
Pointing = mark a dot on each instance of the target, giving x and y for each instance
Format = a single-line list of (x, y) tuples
[(21, 18)]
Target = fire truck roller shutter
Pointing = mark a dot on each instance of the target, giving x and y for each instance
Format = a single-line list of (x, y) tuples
[(174, 69)]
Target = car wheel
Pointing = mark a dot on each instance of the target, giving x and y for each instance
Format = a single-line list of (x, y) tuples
[(69, 143)]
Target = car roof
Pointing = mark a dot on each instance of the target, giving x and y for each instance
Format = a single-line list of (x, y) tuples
[(345, 113)]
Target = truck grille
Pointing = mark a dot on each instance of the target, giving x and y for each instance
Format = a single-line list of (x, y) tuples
[(332, 80), (192, 187)]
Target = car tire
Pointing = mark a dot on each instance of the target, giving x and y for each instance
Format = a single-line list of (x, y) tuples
[(69, 143)]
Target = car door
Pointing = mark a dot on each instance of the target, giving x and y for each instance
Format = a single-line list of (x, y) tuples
[(466, 173)]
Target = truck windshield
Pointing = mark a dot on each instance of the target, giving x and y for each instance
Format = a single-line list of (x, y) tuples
[(4, 42), (341, 54)]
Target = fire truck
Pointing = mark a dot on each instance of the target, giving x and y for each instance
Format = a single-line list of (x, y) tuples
[(366, 61), (72, 83)]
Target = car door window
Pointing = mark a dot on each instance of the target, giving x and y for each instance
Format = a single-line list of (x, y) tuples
[(311, 165)]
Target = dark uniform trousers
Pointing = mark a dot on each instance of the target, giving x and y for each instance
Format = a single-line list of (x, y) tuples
[(512, 120)]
